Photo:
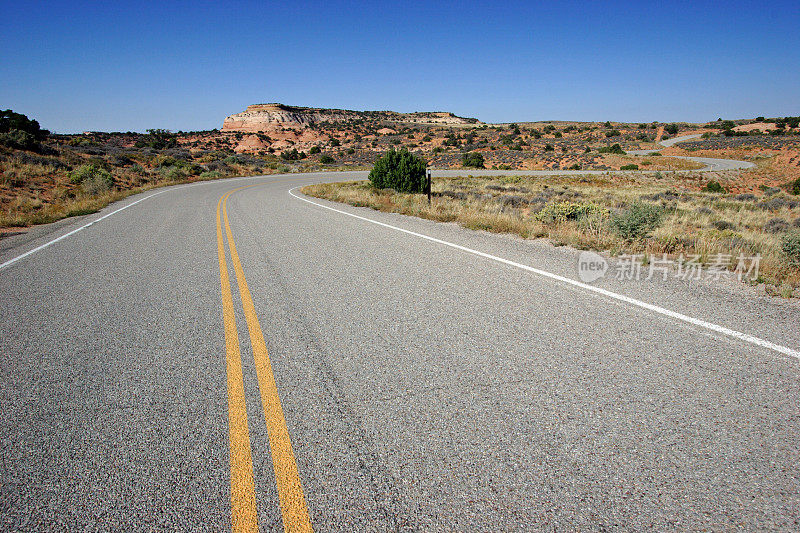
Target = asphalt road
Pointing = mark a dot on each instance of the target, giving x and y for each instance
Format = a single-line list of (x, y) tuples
[(711, 164), (424, 377)]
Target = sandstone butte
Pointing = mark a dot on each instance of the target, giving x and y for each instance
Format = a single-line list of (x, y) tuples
[(267, 117)]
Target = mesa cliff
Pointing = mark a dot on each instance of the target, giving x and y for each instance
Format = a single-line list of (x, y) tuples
[(265, 117)]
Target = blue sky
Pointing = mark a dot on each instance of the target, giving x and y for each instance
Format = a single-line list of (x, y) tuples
[(119, 66)]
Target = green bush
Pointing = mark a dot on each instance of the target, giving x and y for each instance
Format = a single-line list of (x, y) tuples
[(672, 129), (473, 160), (173, 173), (613, 149), (19, 139), (790, 244), (400, 170), (629, 167), (561, 211), (613, 133), (10, 121), (92, 178), (158, 139), (292, 155), (325, 159), (794, 187), (637, 221), (89, 172), (714, 186), (314, 150)]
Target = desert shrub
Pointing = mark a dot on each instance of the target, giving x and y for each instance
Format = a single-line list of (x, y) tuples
[(314, 150), (292, 155), (790, 245), (746, 197), (629, 167), (714, 186), (722, 225), (351, 151), (210, 174), (399, 170), (561, 211), (137, 169), (173, 173), (165, 161), (613, 149), (326, 159), (158, 139), (548, 148), (92, 178), (83, 172), (335, 142), (637, 221), (21, 140), (776, 225), (613, 133), (774, 204), (473, 160), (794, 187), (672, 129)]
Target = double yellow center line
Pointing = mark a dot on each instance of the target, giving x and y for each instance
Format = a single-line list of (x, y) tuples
[(244, 516)]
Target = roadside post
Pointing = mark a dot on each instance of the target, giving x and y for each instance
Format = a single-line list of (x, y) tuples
[(428, 185)]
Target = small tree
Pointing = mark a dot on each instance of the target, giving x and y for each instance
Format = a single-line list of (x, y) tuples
[(473, 160), (400, 170)]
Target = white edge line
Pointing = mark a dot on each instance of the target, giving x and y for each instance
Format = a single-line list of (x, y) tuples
[(650, 307), (73, 232)]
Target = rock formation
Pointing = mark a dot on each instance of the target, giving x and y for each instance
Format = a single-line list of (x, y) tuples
[(265, 117)]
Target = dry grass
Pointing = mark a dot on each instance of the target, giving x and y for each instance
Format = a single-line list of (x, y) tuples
[(694, 222)]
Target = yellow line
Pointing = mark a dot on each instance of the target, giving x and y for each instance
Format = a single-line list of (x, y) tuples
[(290, 493), (243, 497)]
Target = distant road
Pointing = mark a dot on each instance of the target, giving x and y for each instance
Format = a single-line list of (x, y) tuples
[(232, 353), (711, 164)]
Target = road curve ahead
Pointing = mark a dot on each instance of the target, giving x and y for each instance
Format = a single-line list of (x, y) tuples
[(234, 355), (711, 163)]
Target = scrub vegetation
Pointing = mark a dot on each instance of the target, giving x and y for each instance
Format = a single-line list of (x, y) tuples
[(647, 214)]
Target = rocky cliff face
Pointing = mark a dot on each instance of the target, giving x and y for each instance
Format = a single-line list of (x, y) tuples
[(265, 117)]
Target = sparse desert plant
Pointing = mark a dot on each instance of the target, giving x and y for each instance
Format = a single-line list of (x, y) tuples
[(326, 159), (637, 221), (776, 225), (629, 167), (399, 170), (314, 150)]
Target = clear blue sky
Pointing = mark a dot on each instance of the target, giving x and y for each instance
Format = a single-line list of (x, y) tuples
[(119, 66)]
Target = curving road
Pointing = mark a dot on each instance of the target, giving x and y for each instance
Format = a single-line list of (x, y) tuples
[(234, 354), (711, 164)]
